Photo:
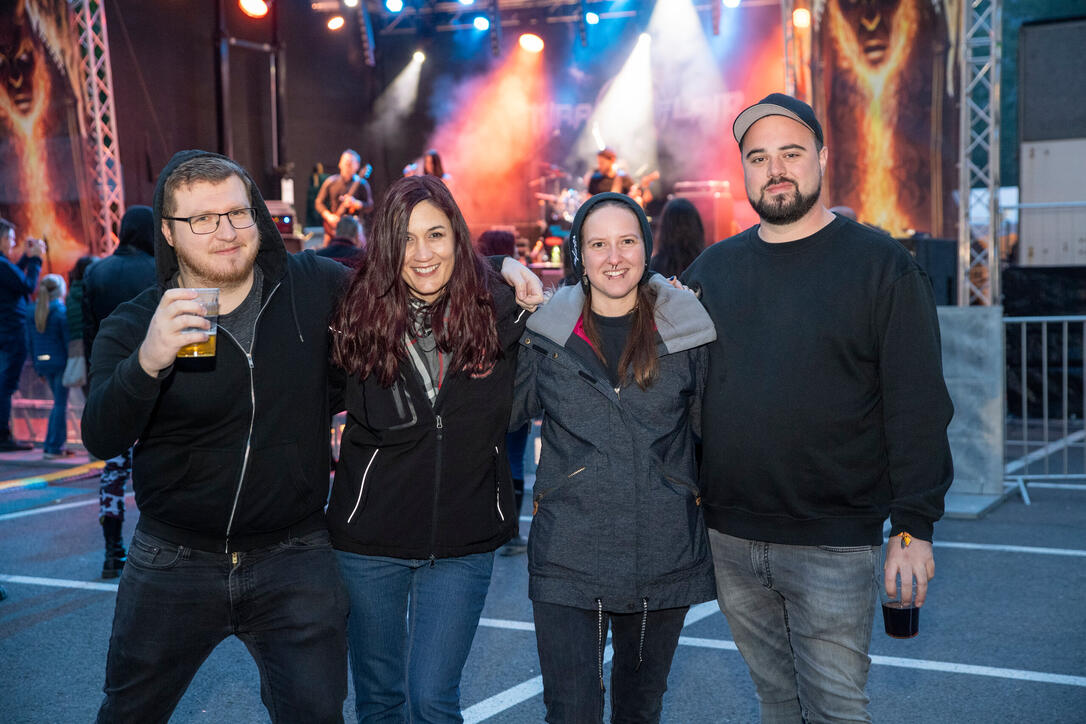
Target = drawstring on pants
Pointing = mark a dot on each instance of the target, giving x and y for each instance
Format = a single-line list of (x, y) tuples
[(599, 638), (644, 620)]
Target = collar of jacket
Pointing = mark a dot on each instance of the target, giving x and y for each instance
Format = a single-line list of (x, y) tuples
[(681, 321)]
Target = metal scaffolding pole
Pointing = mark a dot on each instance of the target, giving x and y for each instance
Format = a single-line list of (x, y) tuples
[(980, 48), (101, 138)]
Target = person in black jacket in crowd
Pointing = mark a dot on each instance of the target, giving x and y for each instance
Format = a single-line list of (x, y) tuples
[(616, 366), (18, 279), (108, 283), (427, 337), (348, 245), (825, 412), (231, 467)]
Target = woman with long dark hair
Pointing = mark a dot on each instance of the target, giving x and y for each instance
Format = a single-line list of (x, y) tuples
[(680, 239), (427, 337), (616, 366)]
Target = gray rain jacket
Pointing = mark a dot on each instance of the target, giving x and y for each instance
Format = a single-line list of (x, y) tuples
[(617, 519)]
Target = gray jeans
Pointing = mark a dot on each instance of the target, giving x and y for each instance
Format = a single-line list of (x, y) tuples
[(801, 617)]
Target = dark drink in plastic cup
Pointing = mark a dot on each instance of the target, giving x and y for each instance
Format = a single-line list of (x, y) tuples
[(901, 621)]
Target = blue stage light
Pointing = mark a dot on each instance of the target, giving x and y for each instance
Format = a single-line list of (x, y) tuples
[(394, 6), (591, 18), (467, 2), (481, 23)]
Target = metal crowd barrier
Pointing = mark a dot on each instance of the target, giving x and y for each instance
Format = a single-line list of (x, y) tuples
[(1044, 433)]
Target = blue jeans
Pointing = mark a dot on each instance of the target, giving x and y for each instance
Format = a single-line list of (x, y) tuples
[(12, 357), (409, 633), (57, 432), (175, 605), (801, 617), (570, 642)]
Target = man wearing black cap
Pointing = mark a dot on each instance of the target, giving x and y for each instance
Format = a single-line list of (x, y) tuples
[(828, 413)]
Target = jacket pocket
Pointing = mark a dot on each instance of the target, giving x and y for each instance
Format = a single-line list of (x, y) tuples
[(189, 487), (567, 525), (276, 491), (678, 540)]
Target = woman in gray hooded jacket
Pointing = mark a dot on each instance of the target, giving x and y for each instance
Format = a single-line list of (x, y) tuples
[(616, 367)]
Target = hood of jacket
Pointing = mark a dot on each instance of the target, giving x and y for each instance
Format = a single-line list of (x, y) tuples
[(681, 321), (573, 245), (138, 229), (272, 255)]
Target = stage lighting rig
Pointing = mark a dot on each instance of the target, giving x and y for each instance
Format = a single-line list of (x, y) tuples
[(495, 29), (254, 8)]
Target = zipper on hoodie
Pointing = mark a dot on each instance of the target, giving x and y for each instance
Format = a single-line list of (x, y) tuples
[(252, 411), (437, 486)]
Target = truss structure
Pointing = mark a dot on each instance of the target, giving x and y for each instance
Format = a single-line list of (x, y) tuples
[(979, 63), (787, 6), (101, 140)]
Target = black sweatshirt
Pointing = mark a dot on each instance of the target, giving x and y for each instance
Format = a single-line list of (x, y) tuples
[(233, 451), (825, 408)]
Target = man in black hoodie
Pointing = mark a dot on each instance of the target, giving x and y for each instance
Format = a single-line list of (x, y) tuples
[(231, 466), (828, 413), (106, 284)]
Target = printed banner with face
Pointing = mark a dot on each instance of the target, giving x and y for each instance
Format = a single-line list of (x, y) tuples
[(45, 188), (884, 84)]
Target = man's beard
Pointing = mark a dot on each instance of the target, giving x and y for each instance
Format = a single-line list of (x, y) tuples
[(223, 275), (783, 209)]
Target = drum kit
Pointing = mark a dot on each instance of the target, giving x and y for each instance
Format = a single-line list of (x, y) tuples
[(558, 199)]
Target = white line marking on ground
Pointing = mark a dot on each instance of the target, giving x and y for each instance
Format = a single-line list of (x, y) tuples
[(534, 687), (1011, 549), (59, 583), (502, 623), (1056, 486), (1054, 446), (949, 667), (55, 508), (952, 668)]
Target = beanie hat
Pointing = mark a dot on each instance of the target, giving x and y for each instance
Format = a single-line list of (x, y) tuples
[(573, 245)]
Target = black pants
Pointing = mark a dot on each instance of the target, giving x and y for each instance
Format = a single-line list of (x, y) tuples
[(286, 602), (571, 641)]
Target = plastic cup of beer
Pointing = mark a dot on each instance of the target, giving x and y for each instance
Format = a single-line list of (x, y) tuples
[(209, 298), (901, 620)]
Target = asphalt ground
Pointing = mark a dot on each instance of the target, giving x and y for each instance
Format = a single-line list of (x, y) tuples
[(1002, 637)]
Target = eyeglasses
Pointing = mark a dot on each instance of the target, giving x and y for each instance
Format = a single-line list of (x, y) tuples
[(209, 223)]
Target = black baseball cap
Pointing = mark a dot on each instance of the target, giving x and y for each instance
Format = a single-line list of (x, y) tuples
[(777, 104)]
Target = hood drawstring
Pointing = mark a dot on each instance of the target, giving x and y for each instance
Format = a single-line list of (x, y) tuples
[(293, 307), (599, 638), (644, 621)]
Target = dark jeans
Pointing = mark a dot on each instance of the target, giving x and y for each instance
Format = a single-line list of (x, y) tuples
[(56, 434), (570, 642), (286, 602), (411, 627), (12, 357)]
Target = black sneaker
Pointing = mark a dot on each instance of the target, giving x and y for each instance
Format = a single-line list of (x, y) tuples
[(13, 445)]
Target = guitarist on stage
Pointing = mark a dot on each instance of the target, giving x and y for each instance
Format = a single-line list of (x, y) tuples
[(344, 194), (607, 177)]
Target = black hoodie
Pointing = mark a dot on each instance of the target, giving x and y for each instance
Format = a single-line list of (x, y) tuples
[(232, 452), (120, 277)]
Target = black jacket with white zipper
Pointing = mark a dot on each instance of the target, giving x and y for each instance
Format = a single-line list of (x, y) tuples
[(421, 481), (233, 451)]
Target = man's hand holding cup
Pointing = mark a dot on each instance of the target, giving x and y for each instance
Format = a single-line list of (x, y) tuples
[(184, 318)]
